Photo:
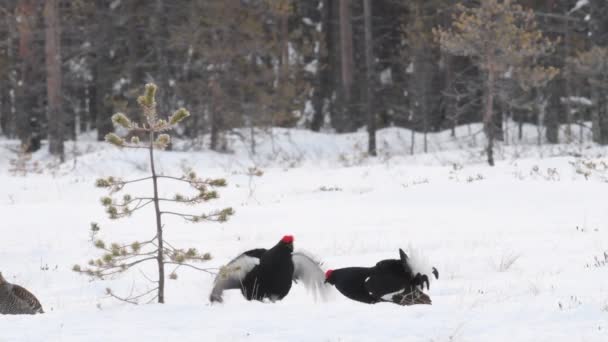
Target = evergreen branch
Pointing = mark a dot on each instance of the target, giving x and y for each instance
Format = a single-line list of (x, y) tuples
[(185, 180), (116, 185), (170, 245), (185, 216), (132, 299), (190, 200), (145, 293), (126, 300), (108, 270), (137, 262), (126, 203), (218, 216), (141, 129), (134, 180), (207, 270), (146, 276), (134, 146), (128, 256), (131, 256), (196, 181), (193, 218), (152, 299), (143, 243), (139, 206)]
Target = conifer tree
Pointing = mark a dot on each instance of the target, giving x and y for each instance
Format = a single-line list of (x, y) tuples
[(594, 65), (502, 39), (118, 258)]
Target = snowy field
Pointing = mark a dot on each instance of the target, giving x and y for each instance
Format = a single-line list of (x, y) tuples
[(519, 247)]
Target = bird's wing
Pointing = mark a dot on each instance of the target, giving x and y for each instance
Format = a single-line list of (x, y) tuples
[(308, 270), (383, 286), (27, 299), (232, 274)]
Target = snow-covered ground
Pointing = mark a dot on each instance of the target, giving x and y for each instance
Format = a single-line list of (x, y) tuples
[(515, 245)]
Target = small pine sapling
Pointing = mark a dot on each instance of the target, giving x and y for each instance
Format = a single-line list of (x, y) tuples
[(118, 258)]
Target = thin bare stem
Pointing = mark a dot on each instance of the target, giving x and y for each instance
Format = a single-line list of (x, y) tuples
[(191, 266), (133, 181)]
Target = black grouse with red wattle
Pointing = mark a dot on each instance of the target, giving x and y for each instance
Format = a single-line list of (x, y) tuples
[(268, 274), (391, 280)]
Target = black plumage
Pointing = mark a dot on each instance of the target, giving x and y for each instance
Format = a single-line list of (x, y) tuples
[(268, 274), (391, 280)]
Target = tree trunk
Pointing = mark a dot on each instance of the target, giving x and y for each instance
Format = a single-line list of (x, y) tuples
[(371, 115), (566, 74), (488, 117), (26, 101), (216, 116), (101, 78), (344, 120), (8, 90), (56, 121), (599, 120), (346, 47), (284, 46), (555, 109), (598, 22), (159, 227), (322, 77)]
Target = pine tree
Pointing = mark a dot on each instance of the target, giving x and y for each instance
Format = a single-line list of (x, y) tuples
[(594, 65), (118, 258), (499, 36)]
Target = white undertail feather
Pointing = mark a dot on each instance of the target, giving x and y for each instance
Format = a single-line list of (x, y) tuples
[(307, 270), (419, 263), (389, 296)]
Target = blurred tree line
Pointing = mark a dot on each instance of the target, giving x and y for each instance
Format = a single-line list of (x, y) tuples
[(340, 65)]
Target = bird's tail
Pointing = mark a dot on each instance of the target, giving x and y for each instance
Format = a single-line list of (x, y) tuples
[(419, 263)]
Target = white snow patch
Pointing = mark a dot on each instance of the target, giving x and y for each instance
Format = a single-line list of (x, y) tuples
[(579, 5), (435, 202), (386, 76)]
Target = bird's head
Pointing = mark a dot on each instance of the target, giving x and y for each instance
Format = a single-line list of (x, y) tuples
[(287, 241), (328, 277)]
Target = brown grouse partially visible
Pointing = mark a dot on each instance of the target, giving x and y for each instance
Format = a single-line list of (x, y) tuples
[(15, 300)]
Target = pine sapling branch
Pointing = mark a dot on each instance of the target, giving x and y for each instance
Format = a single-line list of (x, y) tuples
[(117, 258)]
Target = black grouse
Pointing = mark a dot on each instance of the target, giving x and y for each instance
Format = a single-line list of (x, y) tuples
[(268, 274), (15, 300), (390, 280)]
